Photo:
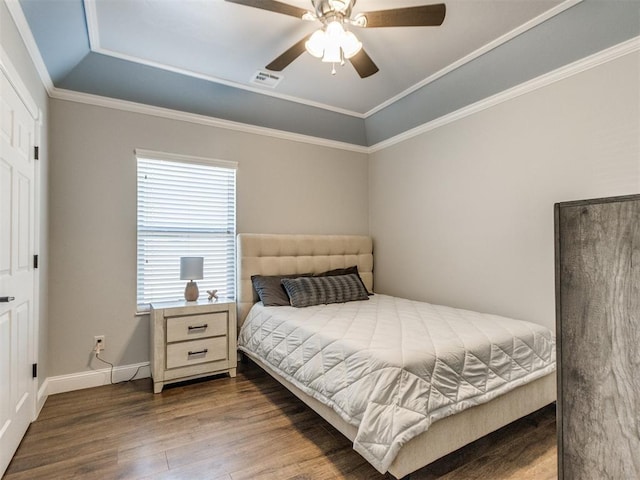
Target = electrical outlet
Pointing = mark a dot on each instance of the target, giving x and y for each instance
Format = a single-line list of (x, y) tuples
[(98, 343)]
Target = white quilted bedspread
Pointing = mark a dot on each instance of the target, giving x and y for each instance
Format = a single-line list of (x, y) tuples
[(391, 366)]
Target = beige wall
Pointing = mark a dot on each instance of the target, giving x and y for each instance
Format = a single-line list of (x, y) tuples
[(19, 57), (282, 186), (463, 215)]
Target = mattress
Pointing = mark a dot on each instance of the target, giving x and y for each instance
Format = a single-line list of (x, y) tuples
[(391, 366)]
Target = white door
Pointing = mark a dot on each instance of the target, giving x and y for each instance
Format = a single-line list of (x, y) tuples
[(17, 387)]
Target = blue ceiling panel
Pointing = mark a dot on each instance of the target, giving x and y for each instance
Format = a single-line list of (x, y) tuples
[(115, 78), (60, 30)]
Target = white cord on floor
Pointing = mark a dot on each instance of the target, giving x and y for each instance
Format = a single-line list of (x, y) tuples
[(111, 371)]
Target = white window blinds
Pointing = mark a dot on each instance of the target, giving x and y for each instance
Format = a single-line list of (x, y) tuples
[(185, 208)]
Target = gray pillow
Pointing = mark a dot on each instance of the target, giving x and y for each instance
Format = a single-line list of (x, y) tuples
[(343, 271), (307, 291), (270, 289)]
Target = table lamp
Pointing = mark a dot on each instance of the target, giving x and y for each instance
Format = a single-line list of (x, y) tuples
[(191, 269)]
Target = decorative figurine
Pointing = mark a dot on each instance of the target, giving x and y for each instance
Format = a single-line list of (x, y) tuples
[(212, 294)]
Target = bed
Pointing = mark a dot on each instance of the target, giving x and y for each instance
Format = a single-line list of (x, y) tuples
[(447, 427)]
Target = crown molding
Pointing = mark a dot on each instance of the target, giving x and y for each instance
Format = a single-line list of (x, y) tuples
[(579, 66), (167, 113)]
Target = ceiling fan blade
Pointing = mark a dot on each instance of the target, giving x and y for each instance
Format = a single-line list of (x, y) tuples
[(363, 64), (272, 6), (421, 16), (289, 56)]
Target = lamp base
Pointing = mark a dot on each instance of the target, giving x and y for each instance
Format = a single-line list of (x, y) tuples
[(191, 291)]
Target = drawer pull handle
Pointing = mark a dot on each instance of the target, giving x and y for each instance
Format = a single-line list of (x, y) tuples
[(199, 352), (7, 299), (197, 327)]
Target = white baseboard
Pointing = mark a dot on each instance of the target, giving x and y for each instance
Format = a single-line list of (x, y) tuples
[(43, 394), (90, 379)]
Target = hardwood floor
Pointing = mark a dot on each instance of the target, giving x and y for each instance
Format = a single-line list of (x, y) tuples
[(248, 427)]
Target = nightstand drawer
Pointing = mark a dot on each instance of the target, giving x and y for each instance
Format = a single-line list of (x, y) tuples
[(196, 326), (196, 351)]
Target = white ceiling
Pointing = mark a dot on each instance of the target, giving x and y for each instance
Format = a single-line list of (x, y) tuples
[(228, 43)]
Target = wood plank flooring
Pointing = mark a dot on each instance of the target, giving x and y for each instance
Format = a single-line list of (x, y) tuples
[(248, 427)]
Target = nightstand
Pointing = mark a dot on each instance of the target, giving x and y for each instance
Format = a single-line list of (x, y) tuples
[(192, 340)]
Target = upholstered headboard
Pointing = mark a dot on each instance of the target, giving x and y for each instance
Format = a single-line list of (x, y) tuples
[(265, 254)]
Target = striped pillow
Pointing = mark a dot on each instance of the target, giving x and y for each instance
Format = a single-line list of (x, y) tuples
[(270, 290), (307, 291)]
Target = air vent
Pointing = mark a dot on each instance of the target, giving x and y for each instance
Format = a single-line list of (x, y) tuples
[(266, 79)]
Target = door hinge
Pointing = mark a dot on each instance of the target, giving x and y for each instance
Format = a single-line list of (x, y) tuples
[(34, 370), (35, 261), (36, 153)]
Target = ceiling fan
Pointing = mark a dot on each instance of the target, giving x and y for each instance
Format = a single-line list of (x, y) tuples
[(333, 43)]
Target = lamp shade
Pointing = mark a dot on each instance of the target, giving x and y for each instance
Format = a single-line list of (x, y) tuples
[(315, 44), (191, 268), (350, 45)]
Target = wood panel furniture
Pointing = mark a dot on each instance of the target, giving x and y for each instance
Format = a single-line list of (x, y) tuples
[(287, 254), (191, 340), (598, 325)]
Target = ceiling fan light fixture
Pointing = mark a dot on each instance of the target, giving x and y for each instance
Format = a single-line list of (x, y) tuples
[(315, 44), (333, 44), (332, 54), (335, 31), (350, 44)]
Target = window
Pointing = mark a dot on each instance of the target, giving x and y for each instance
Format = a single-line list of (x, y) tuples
[(186, 207)]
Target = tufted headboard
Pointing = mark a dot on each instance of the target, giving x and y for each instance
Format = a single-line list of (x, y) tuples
[(267, 254)]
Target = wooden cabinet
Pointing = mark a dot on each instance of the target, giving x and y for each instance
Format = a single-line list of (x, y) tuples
[(598, 329), (191, 340)]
